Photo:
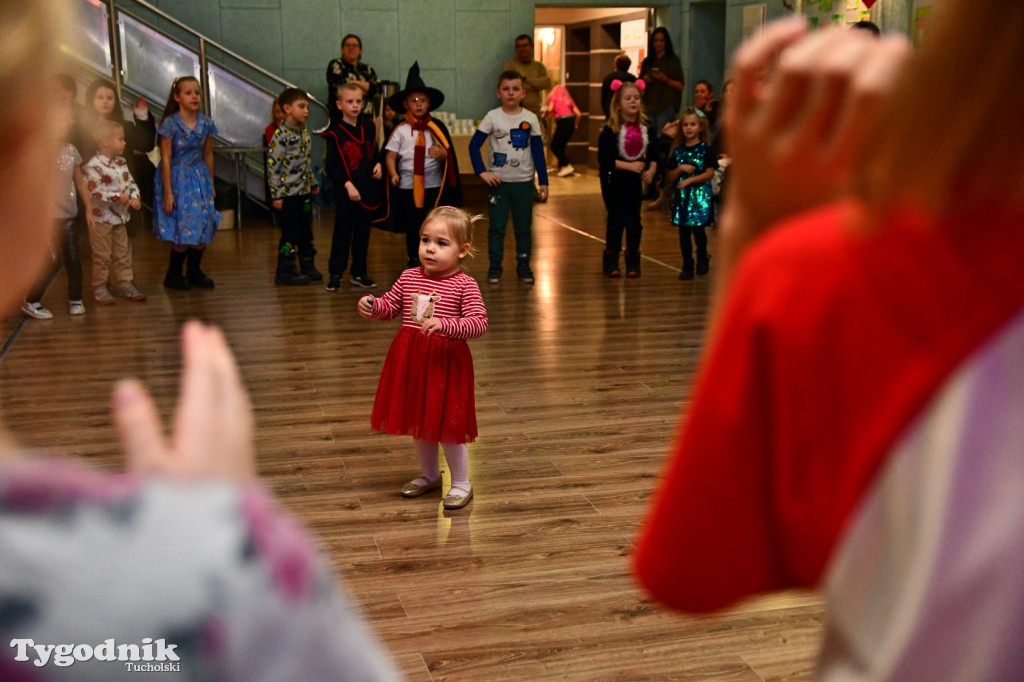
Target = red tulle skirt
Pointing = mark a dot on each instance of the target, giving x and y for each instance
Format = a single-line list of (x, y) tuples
[(426, 389)]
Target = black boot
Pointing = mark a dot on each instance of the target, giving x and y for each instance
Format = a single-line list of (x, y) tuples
[(523, 268), (632, 264), (174, 279), (309, 269), (196, 277), (687, 272), (703, 264), (287, 274), (611, 263)]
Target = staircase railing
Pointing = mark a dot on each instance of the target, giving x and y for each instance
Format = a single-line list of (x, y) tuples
[(142, 49)]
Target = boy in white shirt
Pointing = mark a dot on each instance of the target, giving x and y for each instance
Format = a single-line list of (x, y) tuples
[(420, 161), (516, 152)]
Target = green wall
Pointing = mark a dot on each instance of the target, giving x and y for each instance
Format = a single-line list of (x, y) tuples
[(460, 44)]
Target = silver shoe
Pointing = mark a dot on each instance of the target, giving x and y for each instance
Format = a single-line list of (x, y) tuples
[(414, 489), (458, 497), (131, 292)]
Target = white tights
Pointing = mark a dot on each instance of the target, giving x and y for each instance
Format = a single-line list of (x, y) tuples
[(457, 455)]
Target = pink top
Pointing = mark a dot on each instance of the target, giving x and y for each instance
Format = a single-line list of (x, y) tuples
[(560, 102)]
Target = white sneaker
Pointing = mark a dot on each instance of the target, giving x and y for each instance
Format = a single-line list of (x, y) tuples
[(566, 171), (76, 308), (36, 310)]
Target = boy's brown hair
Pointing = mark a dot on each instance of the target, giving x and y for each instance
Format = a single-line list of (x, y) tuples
[(510, 75), (290, 96)]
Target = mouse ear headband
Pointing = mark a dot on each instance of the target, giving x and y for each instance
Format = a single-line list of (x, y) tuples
[(616, 84)]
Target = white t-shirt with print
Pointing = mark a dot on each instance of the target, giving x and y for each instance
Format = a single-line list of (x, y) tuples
[(509, 142)]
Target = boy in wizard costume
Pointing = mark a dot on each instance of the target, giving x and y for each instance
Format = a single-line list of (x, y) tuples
[(420, 161)]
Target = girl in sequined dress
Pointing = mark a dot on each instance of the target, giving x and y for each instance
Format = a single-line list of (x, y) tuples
[(691, 167)]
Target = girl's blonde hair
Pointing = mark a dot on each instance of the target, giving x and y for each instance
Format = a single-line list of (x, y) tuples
[(614, 117), (705, 128), (931, 136), (458, 222)]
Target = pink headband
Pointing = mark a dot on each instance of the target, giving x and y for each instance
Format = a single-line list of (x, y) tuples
[(616, 84)]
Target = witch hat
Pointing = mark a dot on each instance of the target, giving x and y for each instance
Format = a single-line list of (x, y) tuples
[(413, 83)]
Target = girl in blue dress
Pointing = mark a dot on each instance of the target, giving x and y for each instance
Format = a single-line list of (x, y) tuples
[(692, 165), (184, 184)]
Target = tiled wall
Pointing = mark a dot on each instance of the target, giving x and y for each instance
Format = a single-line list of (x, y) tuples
[(460, 44)]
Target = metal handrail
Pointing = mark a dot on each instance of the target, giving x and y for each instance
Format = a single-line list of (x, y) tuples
[(114, 9)]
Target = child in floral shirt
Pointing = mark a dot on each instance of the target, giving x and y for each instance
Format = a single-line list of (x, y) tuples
[(114, 193)]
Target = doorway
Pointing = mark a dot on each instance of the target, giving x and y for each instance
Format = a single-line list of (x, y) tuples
[(591, 37)]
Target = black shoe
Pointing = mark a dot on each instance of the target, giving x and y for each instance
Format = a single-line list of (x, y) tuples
[(632, 264), (333, 284), (177, 281), (362, 281), (610, 264), (703, 265), (196, 277), (494, 273), (523, 269), (284, 278), (687, 272), (309, 270)]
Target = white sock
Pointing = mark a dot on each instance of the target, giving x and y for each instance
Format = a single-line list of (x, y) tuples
[(427, 452), (457, 455)]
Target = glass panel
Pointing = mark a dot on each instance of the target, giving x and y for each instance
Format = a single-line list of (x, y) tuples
[(240, 110), (151, 61), (91, 42)]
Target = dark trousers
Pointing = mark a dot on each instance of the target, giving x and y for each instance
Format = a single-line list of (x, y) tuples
[(700, 237), (72, 264), (623, 201), (296, 220), (516, 197), (411, 217), (351, 229), (564, 128)]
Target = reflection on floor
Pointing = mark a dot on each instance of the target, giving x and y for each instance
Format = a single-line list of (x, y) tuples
[(580, 381)]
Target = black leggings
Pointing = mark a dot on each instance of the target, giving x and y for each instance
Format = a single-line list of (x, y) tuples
[(699, 236), (72, 264), (623, 201), (565, 126)]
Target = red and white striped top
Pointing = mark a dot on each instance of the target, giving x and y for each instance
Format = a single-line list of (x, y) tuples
[(454, 299)]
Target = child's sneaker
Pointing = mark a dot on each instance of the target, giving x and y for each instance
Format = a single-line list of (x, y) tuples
[(36, 310), (334, 283), (494, 273), (362, 281), (102, 295), (523, 268), (76, 308), (131, 292)]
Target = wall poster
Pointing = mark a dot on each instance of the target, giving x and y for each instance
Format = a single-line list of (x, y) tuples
[(822, 13)]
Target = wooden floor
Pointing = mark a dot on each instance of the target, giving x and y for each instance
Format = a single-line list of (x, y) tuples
[(580, 381)]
